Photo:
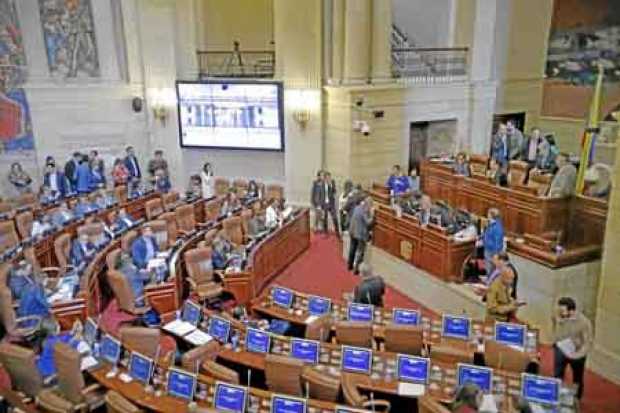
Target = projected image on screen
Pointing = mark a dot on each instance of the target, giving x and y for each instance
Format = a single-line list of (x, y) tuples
[(230, 115)]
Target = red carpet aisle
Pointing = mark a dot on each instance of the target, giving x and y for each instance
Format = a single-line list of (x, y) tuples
[(322, 271)]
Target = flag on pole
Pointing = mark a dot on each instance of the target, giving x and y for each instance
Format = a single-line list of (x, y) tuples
[(589, 135)]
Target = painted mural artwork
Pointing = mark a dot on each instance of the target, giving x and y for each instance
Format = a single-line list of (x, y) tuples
[(69, 35), (15, 123)]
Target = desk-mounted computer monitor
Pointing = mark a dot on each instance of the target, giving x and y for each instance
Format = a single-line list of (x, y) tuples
[(229, 398), (219, 328), (405, 317), (510, 334), (181, 384), (413, 369), (453, 326), (282, 297), (191, 312), (362, 313), (319, 306), (257, 341), (538, 389), (480, 376), (287, 404), (140, 367), (110, 349), (305, 350), (356, 359)]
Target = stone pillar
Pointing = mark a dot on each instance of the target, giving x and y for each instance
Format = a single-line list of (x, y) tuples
[(338, 19), (381, 64), (605, 358), (357, 41)]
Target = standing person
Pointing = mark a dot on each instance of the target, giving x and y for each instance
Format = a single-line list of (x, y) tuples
[(414, 181), (500, 262), (71, 170), (371, 289), (158, 162), (530, 147), (328, 203), (132, 165), (315, 199), (208, 181), (500, 304), (500, 150), (194, 188), (492, 239), (572, 337), (461, 166), (55, 181), (83, 176), (97, 167), (347, 191), (398, 184), (120, 174), (359, 231), (20, 180), (515, 140)]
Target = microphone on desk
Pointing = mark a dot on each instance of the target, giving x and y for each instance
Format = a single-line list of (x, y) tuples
[(372, 401), (307, 390), (249, 385)]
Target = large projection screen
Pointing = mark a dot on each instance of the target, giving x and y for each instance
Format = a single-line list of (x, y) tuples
[(231, 115)]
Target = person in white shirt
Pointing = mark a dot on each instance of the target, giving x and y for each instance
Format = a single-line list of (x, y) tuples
[(40, 225), (208, 181), (271, 215)]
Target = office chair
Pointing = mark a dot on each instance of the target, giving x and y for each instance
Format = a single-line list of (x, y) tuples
[(210, 236), (144, 340), (186, 221), (115, 403), (8, 235), (233, 230), (24, 221), (17, 329), (403, 339), (283, 374), (160, 233), (5, 269), (321, 386), (353, 397), (171, 222), (427, 404), (20, 363), (127, 240), (170, 200), (540, 181), (478, 165), (517, 173), (95, 232), (71, 384), (275, 191), (62, 250), (246, 216), (200, 274), (320, 328), (6, 207), (212, 210), (153, 208), (31, 256), (199, 355), (221, 186), (27, 199), (354, 334), (124, 294), (499, 356), (220, 372)]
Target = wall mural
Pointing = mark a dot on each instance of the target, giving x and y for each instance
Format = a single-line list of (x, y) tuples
[(584, 33), (69, 34), (15, 123)]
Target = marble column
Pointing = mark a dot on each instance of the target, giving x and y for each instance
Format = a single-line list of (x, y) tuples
[(337, 46), (357, 41), (381, 63)]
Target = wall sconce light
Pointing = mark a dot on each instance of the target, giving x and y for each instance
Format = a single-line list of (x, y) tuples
[(160, 113), (301, 103), (302, 117), (161, 100)]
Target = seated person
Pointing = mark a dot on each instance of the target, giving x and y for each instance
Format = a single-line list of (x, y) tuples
[(470, 232), (256, 225), (500, 304), (135, 188), (123, 221), (41, 224), (231, 203), (144, 248), (253, 190), (194, 189), (48, 196), (468, 399), (82, 250), (424, 214), (104, 199), (97, 179), (497, 174), (20, 276), (224, 254), (371, 288), (62, 216), (414, 181), (55, 181), (563, 183), (398, 184), (461, 166), (137, 278), (84, 207), (161, 181), (272, 214), (74, 338)]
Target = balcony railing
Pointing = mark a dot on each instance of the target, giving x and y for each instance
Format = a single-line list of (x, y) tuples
[(430, 65), (235, 63)]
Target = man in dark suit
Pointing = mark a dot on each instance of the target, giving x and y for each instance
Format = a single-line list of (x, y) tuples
[(315, 198), (327, 202), (132, 165), (55, 181), (71, 170), (359, 231), (371, 289)]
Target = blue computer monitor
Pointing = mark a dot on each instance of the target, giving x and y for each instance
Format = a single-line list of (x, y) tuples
[(219, 328), (455, 326), (140, 367), (257, 341), (282, 296), (360, 312), (287, 404), (110, 349), (510, 334), (412, 369), (356, 359), (305, 350), (345, 409), (229, 398), (191, 312), (90, 331), (480, 376), (181, 384), (319, 305), (405, 317), (538, 389)]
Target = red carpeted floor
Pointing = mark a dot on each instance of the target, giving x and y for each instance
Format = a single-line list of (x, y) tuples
[(321, 270)]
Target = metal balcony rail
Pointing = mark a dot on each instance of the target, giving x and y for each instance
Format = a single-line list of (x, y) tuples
[(430, 65), (236, 64)]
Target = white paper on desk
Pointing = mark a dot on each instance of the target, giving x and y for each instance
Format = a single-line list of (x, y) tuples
[(179, 327), (163, 254), (198, 337), (411, 389), (537, 408), (566, 346), (311, 319), (155, 263), (88, 362), (488, 404)]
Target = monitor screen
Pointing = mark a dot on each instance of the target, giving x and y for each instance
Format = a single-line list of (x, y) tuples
[(219, 328), (360, 312), (287, 404), (110, 349), (282, 296), (318, 305), (356, 359), (480, 376), (140, 367), (229, 398), (538, 389), (406, 317), (90, 331), (231, 114), (510, 334), (412, 368), (305, 350), (455, 326), (181, 384), (257, 341), (191, 312)]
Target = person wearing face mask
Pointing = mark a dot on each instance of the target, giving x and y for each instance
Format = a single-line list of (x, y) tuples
[(81, 250), (137, 278), (144, 248), (28, 288), (123, 221)]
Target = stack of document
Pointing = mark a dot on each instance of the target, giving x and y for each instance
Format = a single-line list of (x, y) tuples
[(198, 337), (155, 263), (179, 327)]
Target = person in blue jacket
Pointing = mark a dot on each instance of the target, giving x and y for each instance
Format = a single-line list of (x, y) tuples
[(144, 248), (84, 207), (55, 181), (492, 238), (135, 277), (83, 176), (123, 221), (397, 183), (81, 249)]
